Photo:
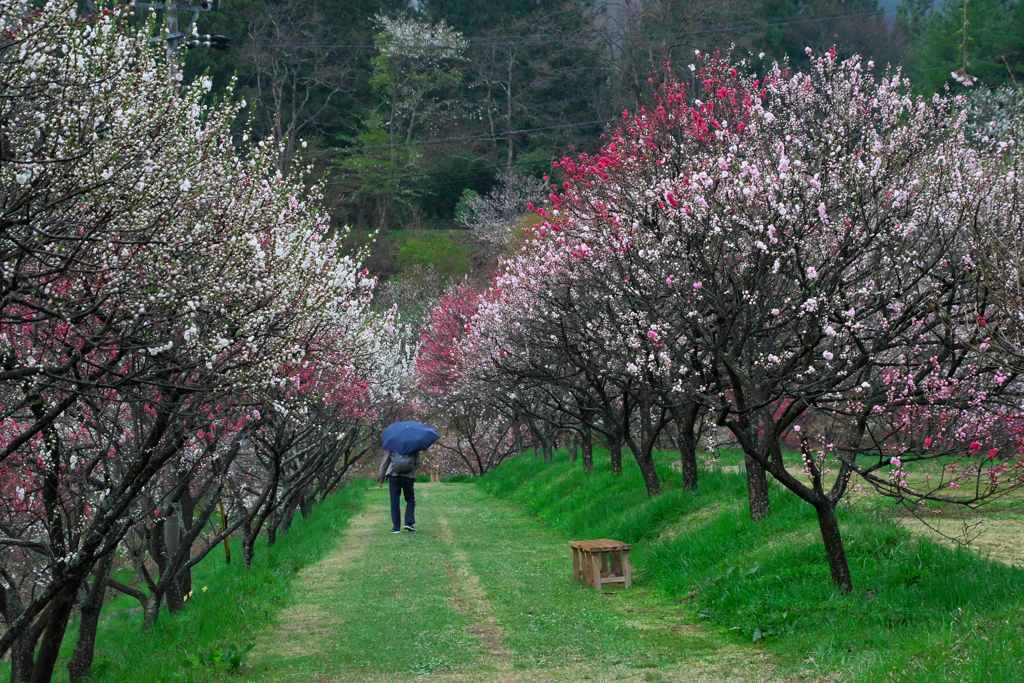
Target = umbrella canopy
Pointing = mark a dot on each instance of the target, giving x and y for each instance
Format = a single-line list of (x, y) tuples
[(406, 438)]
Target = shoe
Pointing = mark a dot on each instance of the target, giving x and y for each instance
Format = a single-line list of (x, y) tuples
[(396, 531), (410, 527)]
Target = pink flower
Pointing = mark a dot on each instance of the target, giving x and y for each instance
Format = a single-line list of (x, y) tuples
[(671, 199), (982, 321), (669, 280), (895, 462), (927, 442), (974, 447), (698, 285), (992, 453), (954, 484)]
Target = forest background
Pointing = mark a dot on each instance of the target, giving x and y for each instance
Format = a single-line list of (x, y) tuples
[(406, 135)]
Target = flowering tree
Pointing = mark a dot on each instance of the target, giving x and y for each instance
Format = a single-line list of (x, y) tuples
[(791, 254), (157, 282), (494, 216), (479, 433)]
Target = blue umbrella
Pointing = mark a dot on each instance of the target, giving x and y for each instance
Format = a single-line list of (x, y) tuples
[(406, 438)]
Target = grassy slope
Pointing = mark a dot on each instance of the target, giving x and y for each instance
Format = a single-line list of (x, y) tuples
[(918, 612), (229, 607)]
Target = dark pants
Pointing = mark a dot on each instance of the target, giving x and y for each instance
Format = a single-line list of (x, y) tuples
[(402, 485)]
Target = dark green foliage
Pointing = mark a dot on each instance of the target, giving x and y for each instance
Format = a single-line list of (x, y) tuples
[(226, 658), (447, 177), (919, 611), (459, 479), (993, 44)]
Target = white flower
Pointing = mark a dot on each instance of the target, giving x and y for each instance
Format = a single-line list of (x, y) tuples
[(827, 355), (206, 82), (822, 213), (23, 177), (185, 185), (829, 331), (812, 273)]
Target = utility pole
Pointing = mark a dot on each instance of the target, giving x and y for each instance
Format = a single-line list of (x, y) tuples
[(173, 42), (174, 38)]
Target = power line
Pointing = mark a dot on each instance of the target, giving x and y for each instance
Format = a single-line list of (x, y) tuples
[(750, 23), (500, 135)]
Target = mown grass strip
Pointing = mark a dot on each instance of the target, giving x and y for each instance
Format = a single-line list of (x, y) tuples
[(919, 611), (229, 607), (388, 612)]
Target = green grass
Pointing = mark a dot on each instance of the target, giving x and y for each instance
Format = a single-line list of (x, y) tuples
[(230, 605), (383, 608), (446, 251), (919, 611), (549, 620), (480, 591)]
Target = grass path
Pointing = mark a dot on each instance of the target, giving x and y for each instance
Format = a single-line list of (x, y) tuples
[(482, 592)]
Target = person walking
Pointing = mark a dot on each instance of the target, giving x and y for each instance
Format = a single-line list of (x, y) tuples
[(404, 442), (400, 472)]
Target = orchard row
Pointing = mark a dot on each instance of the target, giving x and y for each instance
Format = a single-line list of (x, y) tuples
[(187, 352), (814, 262)]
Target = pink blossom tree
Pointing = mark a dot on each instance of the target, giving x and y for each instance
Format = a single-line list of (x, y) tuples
[(792, 253)]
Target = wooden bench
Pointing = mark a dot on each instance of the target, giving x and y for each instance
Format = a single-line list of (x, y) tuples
[(601, 561)]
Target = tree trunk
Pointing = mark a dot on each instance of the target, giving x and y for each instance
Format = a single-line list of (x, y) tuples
[(615, 447), (151, 610), (53, 636), (248, 541), (224, 527), (757, 489), (588, 450), (21, 660), (81, 660), (688, 449), (642, 453), (650, 474), (172, 533), (174, 595), (829, 525), (272, 531)]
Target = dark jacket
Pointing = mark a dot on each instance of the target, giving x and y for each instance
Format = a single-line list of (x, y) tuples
[(384, 469)]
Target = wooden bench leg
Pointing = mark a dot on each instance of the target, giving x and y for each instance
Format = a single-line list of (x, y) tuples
[(595, 568), (627, 569), (576, 573)]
